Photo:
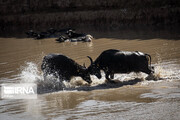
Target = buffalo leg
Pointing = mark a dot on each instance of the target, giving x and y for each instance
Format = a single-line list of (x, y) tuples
[(112, 75), (107, 73), (107, 77)]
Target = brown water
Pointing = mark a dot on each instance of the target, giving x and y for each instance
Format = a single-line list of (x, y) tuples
[(134, 98)]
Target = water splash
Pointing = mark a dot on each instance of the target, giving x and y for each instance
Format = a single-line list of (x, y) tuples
[(30, 73), (157, 75), (164, 71)]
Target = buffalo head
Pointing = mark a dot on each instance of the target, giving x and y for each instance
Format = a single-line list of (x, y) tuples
[(94, 69), (84, 73)]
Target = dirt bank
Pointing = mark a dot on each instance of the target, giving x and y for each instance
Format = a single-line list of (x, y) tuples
[(22, 15)]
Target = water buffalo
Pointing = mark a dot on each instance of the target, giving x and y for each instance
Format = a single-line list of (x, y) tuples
[(62, 38), (31, 34), (87, 38), (79, 36), (73, 34), (115, 61), (63, 67)]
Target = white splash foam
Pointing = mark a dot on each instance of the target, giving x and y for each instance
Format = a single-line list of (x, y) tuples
[(78, 82), (165, 71), (30, 73)]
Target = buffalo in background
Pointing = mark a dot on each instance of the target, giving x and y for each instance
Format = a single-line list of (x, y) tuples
[(47, 34), (62, 35), (72, 36)]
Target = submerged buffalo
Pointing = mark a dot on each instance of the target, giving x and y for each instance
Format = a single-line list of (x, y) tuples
[(87, 38), (73, 34), (49, 33), (31, 34), (63, 67), (76, 37), (115, 61)]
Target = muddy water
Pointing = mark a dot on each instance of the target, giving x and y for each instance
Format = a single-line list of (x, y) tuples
[(132, 97)]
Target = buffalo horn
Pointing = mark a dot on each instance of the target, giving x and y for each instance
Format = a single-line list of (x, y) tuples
[(90, 59)]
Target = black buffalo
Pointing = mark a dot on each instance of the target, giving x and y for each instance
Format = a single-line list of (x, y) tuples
[(62, 38), (31, 34), (63, 67), (115, 61), (73, 34)]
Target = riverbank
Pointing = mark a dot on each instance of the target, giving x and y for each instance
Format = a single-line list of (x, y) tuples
[(92, 14)]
